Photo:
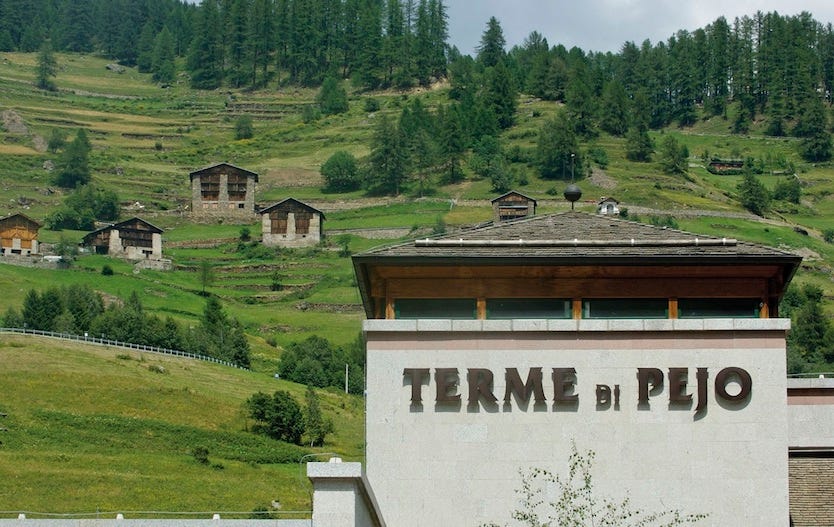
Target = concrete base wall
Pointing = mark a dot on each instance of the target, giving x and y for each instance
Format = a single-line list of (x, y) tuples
[(440, 463)]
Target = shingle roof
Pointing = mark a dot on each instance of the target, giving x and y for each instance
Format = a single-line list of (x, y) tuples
[(123, 224), (578, 236), (811, 480), (227, 165), (512, 193), (286, 201)]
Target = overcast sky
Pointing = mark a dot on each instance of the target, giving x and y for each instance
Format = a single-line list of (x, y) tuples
[(604, 25)]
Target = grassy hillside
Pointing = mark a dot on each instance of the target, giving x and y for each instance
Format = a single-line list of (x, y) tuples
[(102, 430), (92, 428)]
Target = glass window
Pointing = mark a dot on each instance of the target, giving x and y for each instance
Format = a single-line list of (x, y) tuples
[(458, 308), (625, 308), (718, 308), (498, 308)]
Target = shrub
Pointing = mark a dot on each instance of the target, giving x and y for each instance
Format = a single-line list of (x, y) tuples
[(828, 235), (341, 172), (106, 270), (200, 454), (371, 105), (244, 128), (278, 416)]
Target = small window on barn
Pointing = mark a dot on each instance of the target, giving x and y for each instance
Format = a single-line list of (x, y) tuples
[(456, 308), (503, 308), (718, 307), (625, 308)]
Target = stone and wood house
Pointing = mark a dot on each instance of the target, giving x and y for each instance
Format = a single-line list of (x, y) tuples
[(291, 223), (133, 239), (19, 235), (223, 190)]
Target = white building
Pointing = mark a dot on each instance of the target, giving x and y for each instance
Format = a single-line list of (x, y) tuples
[(494, 351)]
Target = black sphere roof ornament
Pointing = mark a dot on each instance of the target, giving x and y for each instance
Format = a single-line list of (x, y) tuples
[(572, 192)]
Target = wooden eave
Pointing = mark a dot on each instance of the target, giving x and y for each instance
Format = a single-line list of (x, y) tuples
[(702, 277)]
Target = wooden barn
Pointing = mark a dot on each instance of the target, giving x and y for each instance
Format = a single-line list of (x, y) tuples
[(512, 206), (18, 235), (223, 190), (133, 239), (291, 223)]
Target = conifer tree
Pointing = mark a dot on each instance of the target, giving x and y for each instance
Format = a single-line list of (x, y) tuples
[(75, 169), (753, 195), (332, 97), (501, 94), (674, 156), (812, 127), (557, 150), (388, 158), (145, 48), (491, 47), (47, 67), (163, 65), (205, 55), (614, 110)]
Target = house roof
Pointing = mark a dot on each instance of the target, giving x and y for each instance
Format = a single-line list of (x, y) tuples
[(604, 200), (227, 165), (287, 201), (24, 217), (511, 193), (573, 239), (127, 223)]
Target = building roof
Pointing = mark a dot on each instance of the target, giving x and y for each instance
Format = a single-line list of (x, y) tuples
[(579, 237), (287, 201), (127, 223), (227, 165), (604, 200), (811, 479), (512, 193), (574, 239), (25, 218)]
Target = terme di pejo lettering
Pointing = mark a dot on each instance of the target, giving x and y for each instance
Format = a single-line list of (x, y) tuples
[(731, 386)]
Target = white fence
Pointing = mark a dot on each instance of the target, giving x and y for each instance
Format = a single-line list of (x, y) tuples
[(118, 344)]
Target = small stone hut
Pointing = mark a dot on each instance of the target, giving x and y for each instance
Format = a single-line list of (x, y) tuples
[(133, 239), (223, 190), (608, 207), (19, 235), (291, 223)]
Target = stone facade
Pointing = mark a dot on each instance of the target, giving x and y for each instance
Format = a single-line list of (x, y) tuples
[(291, 223), (223, 190)]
